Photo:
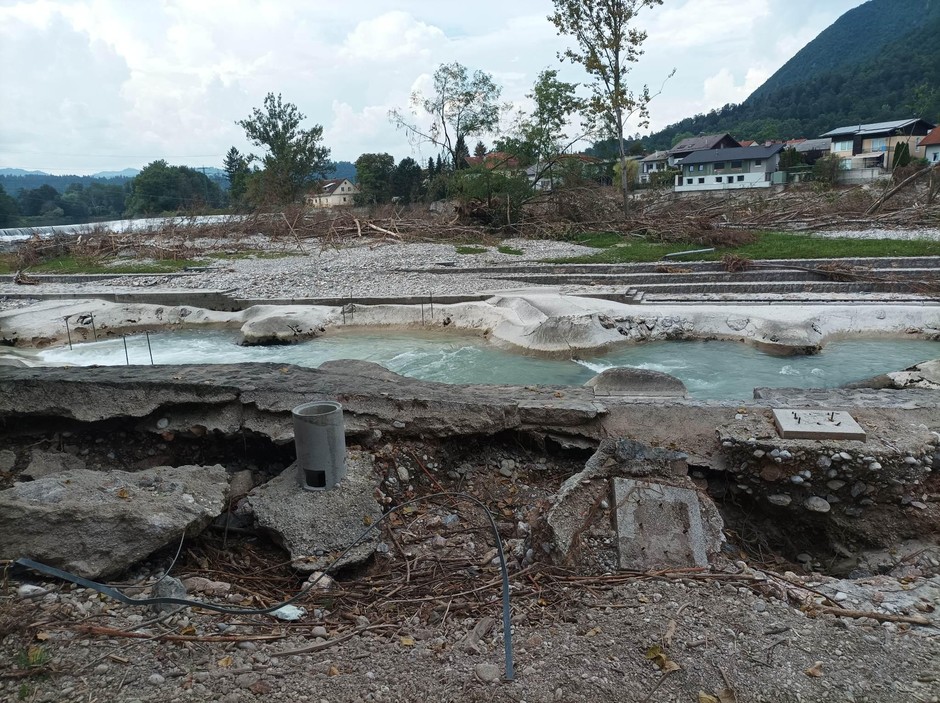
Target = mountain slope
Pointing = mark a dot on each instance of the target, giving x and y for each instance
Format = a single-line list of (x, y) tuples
[(820, 89)]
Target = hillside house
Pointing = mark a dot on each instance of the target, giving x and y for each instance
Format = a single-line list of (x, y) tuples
[(871, 146), (707, 142), (656, 162), (729, 168), (338, 192), (931, 146), (495, 161)]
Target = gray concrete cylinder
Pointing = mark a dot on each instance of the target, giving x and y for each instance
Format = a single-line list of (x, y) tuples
[(320, 439)]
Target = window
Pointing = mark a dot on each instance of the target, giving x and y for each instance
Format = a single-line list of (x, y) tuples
[(879, 144), (701, 180), (736, 164), (740, 179), (758, 162), (688, 181), (701, 167), (845, 145), (344, 199), (717, 179), (936, 156), (720, 165)]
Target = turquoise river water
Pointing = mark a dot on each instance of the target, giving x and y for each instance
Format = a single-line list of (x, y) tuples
[(710, 370)]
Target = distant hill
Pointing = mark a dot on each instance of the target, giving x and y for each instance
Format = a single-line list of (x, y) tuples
[(124, 173), (343, 169), (20, 172), (877, 62), (30, 180)]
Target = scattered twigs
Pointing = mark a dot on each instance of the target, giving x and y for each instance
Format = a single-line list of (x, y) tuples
[(319, 646), (103, 631), (880, 617)]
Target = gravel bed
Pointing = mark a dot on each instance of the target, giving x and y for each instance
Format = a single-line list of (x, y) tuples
[(903, 234)]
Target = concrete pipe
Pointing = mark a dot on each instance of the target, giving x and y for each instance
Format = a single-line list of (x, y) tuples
[(320, 439)]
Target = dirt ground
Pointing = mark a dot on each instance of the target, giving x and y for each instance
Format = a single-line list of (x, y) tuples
[(422, 621)]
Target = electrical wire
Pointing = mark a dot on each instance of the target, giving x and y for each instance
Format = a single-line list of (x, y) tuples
[(117, 595)]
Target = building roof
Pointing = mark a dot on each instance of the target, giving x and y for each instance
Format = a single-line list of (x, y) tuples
[(740, 153), (494, 160), (707, 141), (813, 145), (656, 156), (864, 130), (932, 139), (329, 187)]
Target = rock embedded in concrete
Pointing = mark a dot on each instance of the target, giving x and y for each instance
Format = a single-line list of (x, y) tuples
[(7, 460), (314, 526), (96, 524), (623, 380)]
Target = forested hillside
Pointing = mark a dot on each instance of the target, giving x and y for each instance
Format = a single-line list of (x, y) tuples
[(878, 62)]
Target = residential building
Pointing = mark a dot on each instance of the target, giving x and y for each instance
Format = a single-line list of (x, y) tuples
[(567, 166), (931, 146), (729, 168), (705, 142), (656, 162), (495, 161), (872, 146), (338, 192)]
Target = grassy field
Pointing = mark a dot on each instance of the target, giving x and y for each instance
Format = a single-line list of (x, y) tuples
[(615, 249)]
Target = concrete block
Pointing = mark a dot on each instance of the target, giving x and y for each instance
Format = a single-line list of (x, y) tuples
[(660, 526), (817, 424)]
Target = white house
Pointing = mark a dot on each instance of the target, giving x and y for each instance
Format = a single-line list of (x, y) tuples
[(931, 146), (339, 192), (654, 163), (729, 168)]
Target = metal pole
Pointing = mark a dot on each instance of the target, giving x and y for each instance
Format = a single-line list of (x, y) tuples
[(68, 333), (422, 313), (93, 329), (149, 348), (126, 357), (431, 297)]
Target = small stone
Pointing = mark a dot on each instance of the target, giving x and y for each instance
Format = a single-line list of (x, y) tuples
[(836, 457), (403, 474), (398, 424), (804, 558), (7, 460), (781, 499), (858, 489), (163, 423), (823, 462), (840, 596), (917, 504), (102, 669), (487, 673), (835, 485), (874, 466), (155, 679), (785, 455), (319, 631), (817, 504), (796, 479), (759, 453), (28, 590), (911, 461), (845, 456)]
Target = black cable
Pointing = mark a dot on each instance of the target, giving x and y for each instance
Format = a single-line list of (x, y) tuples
[(118, 596)]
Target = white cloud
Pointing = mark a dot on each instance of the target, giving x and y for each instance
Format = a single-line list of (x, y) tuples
[(128, 82)]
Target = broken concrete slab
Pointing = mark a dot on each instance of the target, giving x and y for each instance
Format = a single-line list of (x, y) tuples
[(579, 508), (96, 524), (630, 381), (661, 526), (817, 424), (7, 460), (44, 463), (315, 526)]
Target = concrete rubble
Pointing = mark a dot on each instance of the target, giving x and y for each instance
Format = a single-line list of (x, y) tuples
[(641, 501), (315, 526), (96, 523)]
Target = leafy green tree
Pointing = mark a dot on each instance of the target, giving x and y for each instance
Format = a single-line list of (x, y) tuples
[(374, 177), (902, 156), (462, 106), (9, 210), (790, 158), (826, 171), (160, 187), (479, 150), (38, 201), (606, 47), (293, 157)]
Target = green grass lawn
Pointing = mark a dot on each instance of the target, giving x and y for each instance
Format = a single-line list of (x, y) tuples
[(615, 249), (506, 249), (469, 249)]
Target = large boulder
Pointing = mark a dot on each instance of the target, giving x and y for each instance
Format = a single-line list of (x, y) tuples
[(315, 526), (628, 380), (96, 524)]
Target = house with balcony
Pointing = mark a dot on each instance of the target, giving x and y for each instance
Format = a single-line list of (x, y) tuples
[(931, 146), (338, 192), (732, 168), (870, 147)]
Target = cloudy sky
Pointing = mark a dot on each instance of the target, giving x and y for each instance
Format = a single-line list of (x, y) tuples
[(90, 85)]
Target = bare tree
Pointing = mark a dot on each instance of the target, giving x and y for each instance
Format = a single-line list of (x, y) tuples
[(607, 46)]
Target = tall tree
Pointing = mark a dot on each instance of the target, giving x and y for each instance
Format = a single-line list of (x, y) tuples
[(461, 152), (294, 157), (8, 208), (160, 187), (374, 178), (236, 170), (462, 105), (606, 45), (406, 181), (479, 150)]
